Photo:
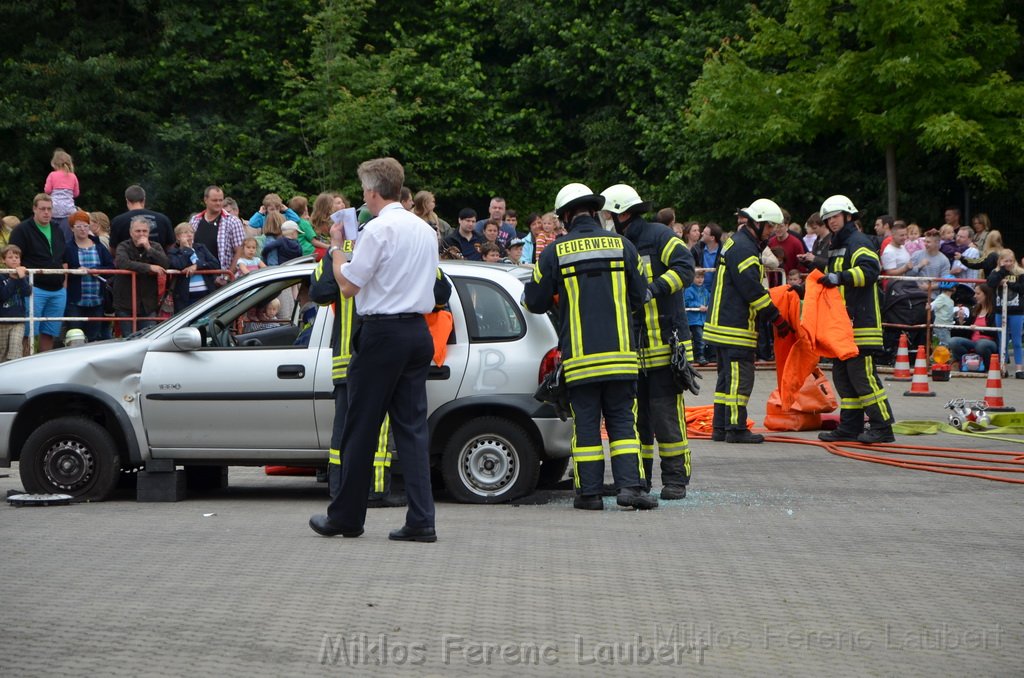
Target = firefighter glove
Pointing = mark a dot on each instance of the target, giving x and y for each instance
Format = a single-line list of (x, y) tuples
[(832, 280), (782, 328)]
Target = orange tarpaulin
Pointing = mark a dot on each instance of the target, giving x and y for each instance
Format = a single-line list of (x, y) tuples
[(823, 329), (699, 417), (827, 323), (440, 324)]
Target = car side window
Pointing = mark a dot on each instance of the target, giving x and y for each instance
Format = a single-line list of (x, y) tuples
[(491, 315), (274, 315)]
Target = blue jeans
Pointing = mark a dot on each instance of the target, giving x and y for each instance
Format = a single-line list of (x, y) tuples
[(47, 303), (1014, 330), (959, 347), (697, 338)]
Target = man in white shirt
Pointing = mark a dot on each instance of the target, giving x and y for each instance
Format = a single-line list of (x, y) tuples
[(392, 276), (895, 258)]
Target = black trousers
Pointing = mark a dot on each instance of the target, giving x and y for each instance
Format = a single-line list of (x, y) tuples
[(661, 416), (616, 400), (732, 391), (387, 375), (860, 393)]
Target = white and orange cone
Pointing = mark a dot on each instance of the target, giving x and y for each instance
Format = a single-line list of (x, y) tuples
[(994, 387), (920, 386), (901, 371)]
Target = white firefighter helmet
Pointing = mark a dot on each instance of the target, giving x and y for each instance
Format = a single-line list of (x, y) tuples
[(621, 197), (764, 209), (577, 195), (835, 204)]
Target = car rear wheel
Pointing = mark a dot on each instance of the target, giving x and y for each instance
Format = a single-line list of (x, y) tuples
[(490, 460), (70, 455)]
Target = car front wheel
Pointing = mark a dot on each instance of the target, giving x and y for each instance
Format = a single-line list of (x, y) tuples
[(490, 460), (70, 455)]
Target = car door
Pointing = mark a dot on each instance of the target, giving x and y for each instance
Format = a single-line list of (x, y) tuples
[(496, 328), (246, 394)]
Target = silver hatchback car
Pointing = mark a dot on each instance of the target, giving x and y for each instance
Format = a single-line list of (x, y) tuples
[(216, 386)]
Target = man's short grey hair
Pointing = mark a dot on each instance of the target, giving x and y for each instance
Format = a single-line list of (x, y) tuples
[(135, 193), (141, 219), (383, 175)]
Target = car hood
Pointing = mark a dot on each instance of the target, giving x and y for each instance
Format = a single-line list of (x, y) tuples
[(103, 365)]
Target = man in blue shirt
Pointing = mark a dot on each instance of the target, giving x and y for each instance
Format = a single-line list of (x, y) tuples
[(465, 237)]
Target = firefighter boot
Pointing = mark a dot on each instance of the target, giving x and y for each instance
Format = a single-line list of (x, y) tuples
[(743, 436), (877, 435), (588, 502), (636, 497), (674, 477), (851, 425)]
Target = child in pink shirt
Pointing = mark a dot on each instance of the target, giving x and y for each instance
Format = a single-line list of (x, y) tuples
[(62, 187)]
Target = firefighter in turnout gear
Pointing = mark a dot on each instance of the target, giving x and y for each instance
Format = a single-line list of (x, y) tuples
[(853, 267), (668, 269), (738, 301), (324, 290), (599, 283)]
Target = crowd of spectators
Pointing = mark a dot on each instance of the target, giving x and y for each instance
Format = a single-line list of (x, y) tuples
[(174, 266)]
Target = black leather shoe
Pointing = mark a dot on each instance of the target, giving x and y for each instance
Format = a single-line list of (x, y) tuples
[(323, 526), (406, 533), (609, 490), (671, 492), (837, 436), (877, 435), (743, 436), (385, 501), (718, 434), (588, 502)]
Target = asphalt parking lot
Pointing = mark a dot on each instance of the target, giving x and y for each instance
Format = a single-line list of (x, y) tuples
[(783, 560)]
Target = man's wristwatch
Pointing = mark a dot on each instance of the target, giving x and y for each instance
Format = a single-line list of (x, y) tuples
[(332, 249)]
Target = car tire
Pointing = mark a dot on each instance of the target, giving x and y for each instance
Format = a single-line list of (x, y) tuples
[(552, 471), (70, 455), (489, 460)]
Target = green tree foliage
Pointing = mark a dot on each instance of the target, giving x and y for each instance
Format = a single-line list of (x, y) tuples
[(515, 98), (904, 76), (174, 96)]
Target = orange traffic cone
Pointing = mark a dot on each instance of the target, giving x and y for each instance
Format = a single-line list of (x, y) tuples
[(994, 387), (901, 371), (920, 385)]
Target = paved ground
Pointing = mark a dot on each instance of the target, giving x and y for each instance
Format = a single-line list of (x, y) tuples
[(783, 560)]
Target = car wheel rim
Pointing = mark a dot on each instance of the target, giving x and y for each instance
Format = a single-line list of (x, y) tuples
[(69, 465), (488, 465)]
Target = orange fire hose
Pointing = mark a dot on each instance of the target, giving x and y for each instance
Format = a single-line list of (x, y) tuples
[(991, 461)]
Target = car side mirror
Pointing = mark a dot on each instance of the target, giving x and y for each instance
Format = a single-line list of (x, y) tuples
[(185, 339)]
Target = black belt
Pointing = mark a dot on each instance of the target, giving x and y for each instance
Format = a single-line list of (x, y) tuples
[(391, 316)]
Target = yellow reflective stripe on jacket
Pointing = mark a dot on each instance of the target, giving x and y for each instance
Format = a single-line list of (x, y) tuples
[(856, 272), (747, 263), (572, 290), (730, 336), (601, 372), (761, 302), (623, 324)]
